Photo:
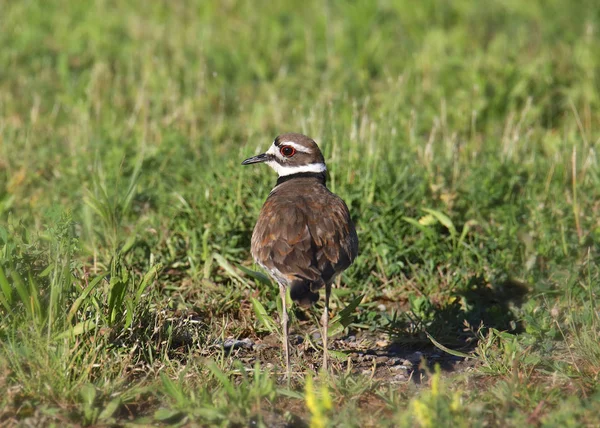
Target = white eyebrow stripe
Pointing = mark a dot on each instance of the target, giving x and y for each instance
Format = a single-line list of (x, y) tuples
[(284, 170), (298, 147), (273, 150)]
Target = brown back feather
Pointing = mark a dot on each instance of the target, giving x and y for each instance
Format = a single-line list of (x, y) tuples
[(305, 234)]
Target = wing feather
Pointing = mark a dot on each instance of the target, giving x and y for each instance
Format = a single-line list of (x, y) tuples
[(307, 236)]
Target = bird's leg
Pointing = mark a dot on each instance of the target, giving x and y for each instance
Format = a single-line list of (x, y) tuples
[(325, 323), (284, 328)]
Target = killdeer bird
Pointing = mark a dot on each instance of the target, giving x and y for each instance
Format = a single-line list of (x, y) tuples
[(304, 236)]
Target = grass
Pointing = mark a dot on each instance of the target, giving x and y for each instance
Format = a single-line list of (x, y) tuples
[(463, 137)]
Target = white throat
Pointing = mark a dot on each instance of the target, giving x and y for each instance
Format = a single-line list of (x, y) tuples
[(284, 170)]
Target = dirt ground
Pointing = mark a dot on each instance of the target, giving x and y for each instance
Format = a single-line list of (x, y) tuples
[(362, 352)]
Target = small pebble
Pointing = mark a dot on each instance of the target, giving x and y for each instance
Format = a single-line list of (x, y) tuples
[(381, 360), (393, 361), (399, 378), (246, 343)]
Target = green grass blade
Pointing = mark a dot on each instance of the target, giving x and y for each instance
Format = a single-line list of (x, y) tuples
[(5, 291), (263, 317), (173, 390), (259, 276), (222, 378), (448, 350), (424, 229), (147, 280), (443, 219), (229, 269), (83, 297), (344, 318), (78, 329), (22, 291)]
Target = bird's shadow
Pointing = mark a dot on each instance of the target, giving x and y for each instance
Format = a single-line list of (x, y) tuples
[(458, 325)]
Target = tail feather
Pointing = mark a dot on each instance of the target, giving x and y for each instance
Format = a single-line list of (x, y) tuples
[(304, 292)]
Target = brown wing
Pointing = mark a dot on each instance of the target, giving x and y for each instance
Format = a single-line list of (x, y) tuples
[(307, 237), (333, 233)]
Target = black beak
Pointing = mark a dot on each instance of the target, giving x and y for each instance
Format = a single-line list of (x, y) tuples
[(256, 159)]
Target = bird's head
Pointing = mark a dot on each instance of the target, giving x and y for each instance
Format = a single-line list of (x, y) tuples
[(292, 154)]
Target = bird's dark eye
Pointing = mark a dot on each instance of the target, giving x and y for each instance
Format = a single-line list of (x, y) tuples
[(288, 151)]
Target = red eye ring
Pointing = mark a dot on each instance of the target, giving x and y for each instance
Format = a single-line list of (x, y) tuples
[(287, 151)]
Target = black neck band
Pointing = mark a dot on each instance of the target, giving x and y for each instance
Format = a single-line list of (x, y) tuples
[(321, 176)]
